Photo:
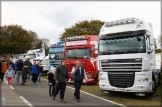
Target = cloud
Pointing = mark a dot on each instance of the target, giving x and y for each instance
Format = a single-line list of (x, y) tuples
[(49, 19)]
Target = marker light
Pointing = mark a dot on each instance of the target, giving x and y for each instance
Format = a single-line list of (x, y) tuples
[(118, 22), (139, 24)]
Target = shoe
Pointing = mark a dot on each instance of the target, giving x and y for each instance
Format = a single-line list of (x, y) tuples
[(77, 100), (33, 83), (9, 84), (54, 97), (62, 101)]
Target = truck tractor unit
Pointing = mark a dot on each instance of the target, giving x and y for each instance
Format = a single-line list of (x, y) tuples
[(126, 59), (56, 54), (83, 48)]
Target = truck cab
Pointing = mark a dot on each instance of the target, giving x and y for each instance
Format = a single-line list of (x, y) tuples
[(56, 54), (82, 48), (127, 57), (36, 53)]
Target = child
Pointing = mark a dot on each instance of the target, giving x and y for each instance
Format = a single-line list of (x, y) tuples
[(10, 74), (51, 81), (24, 74)]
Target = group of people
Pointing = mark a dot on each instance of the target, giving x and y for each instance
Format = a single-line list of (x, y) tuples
[(58, 78), (23, 70)]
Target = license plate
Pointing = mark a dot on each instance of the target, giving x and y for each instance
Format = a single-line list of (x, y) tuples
[(120, 89)]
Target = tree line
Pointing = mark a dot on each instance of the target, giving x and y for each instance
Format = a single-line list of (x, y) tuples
[(16, 40)]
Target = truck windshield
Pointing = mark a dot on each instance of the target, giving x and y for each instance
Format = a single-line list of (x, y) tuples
[(78, 53), (31, 56), (55, 56), (122, 45)]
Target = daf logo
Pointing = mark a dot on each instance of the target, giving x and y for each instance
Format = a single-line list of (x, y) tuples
[(137, 59), (104, 60)]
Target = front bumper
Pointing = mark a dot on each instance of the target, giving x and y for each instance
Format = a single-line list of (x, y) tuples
[(88, 81)]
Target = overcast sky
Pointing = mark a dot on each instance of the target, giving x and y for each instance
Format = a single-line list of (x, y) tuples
[(49, 19)]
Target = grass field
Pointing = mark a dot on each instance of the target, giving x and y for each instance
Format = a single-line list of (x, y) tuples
[(125, 98)]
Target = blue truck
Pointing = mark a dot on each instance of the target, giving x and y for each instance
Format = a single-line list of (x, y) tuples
[(56, 54)]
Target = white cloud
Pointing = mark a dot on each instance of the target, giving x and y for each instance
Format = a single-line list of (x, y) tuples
[(49, 19)]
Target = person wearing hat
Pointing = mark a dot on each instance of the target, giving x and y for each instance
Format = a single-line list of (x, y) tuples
[(51, 81)]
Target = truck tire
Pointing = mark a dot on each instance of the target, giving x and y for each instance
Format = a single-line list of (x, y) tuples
[(159, 83), (151, 94), (153, 88), (154, 84)]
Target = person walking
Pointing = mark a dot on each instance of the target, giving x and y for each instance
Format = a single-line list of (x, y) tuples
[(24, 74), (9, 74), (19, 72), (79, 74), (51, 81), (40, 71), (34, 72), (61, 77), (3, 69), (29, 64)]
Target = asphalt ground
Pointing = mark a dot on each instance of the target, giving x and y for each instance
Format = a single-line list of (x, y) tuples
[(37, 95)]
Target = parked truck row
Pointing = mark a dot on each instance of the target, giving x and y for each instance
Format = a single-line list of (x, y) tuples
[(122, 56)]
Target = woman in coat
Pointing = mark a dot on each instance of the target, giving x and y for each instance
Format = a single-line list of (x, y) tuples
[(24, 74)]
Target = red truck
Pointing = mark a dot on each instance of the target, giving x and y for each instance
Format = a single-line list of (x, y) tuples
[(83, 48)]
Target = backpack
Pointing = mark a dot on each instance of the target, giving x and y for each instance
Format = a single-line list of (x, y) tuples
[(4, 67)]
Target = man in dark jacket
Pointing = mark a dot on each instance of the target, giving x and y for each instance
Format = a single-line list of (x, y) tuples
[(61, 77), (79, 74), (29, 64), (24, 74), (19, 73)]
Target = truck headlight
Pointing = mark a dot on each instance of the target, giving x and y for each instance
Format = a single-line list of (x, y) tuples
[(143, 79)]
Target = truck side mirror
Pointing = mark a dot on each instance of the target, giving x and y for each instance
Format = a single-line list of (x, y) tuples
[(96, 53), (152, 48)]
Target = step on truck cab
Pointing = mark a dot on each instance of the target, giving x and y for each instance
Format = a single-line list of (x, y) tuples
[(127, 57), (83, 48), (56, 54)]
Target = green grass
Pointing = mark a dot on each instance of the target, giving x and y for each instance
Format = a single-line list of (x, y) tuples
[(124, 98)]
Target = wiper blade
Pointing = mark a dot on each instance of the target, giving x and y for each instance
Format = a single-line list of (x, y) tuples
[(134, 50), (107, 51)]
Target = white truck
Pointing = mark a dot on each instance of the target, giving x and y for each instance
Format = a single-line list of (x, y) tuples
[(126, 58), (32, 54), (45, 64)]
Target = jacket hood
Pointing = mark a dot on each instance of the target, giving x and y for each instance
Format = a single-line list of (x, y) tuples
[(25, 67)]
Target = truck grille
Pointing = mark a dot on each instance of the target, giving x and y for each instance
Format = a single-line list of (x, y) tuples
[(121, 79), (55, 63), (134, 65)]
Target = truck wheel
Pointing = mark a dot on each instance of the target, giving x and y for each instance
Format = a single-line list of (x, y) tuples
[(151, 94), (159, 83), (154, 84)]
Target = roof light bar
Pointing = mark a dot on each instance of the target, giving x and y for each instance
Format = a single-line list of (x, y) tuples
[(119, 22), (57, 45), (78, 37)]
